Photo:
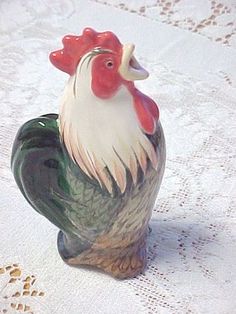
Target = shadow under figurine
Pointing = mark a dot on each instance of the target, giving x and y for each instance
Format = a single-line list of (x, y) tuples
[(95, 169)]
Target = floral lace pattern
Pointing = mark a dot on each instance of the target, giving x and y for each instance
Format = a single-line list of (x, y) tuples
[(211, 18), (192, 258), (18, 291)]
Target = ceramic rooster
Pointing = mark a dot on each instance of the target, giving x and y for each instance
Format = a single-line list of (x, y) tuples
[(95, 169)]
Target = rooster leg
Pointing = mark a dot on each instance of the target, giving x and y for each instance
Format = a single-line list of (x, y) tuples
[(120, 262), (128, 263)]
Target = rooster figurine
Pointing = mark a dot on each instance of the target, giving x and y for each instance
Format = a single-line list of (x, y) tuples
[(95, 169)]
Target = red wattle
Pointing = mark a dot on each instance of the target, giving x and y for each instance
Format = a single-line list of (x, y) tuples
[(152, 106), (146, 109), (145, 117)]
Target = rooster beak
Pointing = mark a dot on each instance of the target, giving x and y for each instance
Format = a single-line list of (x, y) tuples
[(129, 68)]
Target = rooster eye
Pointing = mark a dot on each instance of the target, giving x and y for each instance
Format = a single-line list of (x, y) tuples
[(109, 64)]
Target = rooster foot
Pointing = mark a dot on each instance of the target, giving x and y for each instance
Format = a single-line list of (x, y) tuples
[(120, 262)]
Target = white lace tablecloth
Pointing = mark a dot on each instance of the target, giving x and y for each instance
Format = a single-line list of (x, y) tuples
[(189, 47)]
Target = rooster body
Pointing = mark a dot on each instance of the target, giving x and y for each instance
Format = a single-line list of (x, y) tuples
[(95, 169)]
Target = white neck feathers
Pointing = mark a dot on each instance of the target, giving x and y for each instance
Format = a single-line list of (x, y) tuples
[(102, 134)]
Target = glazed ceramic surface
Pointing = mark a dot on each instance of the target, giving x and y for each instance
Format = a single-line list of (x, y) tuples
[(95, 169)]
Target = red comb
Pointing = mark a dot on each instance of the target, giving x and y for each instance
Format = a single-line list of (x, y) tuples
[(75, 47)]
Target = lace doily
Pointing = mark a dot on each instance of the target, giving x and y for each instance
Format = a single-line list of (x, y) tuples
[(19, 291), (192, 257), (211, 18)]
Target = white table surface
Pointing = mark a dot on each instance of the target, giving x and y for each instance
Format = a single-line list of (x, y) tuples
[(189, 47)]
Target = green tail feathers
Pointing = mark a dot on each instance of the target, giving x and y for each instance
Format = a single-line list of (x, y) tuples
[(55, 186)]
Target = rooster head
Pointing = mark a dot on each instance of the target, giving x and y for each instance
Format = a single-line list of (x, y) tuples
[(103, 118), (114, 63)]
